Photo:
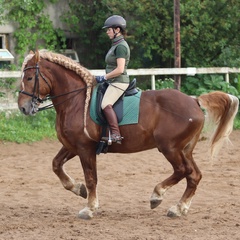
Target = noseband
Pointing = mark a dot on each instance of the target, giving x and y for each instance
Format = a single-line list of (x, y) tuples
[(35, 94)]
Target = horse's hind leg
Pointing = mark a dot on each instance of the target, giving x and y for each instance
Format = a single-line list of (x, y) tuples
[(193, 178), (183, 166), (178, 174), (57, 165)]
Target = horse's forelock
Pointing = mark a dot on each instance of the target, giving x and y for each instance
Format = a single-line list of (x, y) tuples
[(26, 59)]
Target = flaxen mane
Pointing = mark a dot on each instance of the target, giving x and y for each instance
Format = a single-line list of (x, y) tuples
[(68, 63)]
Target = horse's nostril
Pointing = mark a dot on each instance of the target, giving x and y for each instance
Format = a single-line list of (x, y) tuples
[(23, 110)]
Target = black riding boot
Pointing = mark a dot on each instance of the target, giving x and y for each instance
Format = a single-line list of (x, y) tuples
[(113, 124)]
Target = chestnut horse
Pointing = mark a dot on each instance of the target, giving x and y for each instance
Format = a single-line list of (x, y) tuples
[(168, 120)]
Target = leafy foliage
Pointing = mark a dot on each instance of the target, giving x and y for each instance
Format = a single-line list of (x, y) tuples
[(1, 12), (200, 84), (207, 38), (144, 33), (206, 83), (34, 27), (164, 84), (210, 32)]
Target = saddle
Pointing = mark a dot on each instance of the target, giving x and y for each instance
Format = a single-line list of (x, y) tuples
[(102, 146), (118, 106)]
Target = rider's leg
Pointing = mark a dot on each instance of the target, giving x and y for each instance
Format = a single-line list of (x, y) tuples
[(113, 123), (112, 94)]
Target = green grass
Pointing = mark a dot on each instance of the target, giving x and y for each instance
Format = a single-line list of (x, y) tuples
[(16, 127)]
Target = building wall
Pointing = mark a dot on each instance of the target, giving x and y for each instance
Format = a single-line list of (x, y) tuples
[(54, 11)]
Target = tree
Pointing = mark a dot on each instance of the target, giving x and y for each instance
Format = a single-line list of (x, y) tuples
[(209, 31), (148, 23)]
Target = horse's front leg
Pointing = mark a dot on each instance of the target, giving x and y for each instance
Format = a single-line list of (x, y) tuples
[(69, 183), (88, 161)]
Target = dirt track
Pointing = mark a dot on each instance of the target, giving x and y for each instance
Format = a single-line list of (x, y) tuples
[(34, 205)]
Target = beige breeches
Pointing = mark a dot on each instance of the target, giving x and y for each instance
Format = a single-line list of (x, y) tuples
[(113, 93)]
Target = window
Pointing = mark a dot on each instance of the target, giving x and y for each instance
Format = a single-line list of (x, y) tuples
[(2, 41)]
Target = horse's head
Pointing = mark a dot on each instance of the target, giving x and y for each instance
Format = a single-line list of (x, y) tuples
[(34, 85)]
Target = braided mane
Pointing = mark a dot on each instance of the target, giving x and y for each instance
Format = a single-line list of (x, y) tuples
[(68, 63)]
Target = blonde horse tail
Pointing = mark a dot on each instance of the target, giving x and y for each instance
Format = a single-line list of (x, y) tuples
[(221, 110)]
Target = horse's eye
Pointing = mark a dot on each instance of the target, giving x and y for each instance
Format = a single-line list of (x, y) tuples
[(29, 78)]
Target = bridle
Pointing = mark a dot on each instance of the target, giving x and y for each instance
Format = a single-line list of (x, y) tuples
[(36, 96)]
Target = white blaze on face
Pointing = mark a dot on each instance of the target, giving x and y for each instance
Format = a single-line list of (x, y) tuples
[(22, 83), (27, 58)]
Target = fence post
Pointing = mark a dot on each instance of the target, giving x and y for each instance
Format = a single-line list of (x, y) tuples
[(153, 82), (227, 77)]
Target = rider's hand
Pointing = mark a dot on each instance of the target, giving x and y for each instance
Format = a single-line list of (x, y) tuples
[(100, 79)]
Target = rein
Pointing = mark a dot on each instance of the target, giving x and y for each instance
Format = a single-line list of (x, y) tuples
[(64, 94), (35, 94)]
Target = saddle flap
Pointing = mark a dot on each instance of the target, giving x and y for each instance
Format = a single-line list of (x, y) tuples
[(118, 106), (126, 108)]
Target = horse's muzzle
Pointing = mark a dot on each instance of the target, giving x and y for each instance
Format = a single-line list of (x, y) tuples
[(29, 108)]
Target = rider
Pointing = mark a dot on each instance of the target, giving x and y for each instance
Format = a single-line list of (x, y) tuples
[(117, 60)]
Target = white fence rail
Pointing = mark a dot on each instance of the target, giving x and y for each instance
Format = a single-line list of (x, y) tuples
[(153, 72)]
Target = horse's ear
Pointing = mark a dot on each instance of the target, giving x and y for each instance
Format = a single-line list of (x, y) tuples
[(37, 57), (31, 52)]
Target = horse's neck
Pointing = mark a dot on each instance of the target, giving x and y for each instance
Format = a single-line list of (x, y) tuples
[(67, 91)]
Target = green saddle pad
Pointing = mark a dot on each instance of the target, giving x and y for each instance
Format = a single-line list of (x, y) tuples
[(130, 108)]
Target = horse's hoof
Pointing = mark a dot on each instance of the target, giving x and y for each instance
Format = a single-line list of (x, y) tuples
[(80, 190), (155, 203), (85, 214), (174, 212), (83, 191)]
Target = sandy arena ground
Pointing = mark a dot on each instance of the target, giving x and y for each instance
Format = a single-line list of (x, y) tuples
[(34, 205)]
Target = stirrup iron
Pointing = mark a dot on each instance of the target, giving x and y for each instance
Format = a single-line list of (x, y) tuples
[(110, 139)]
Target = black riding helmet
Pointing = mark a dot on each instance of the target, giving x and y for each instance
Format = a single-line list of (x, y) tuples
[(114, 22)]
